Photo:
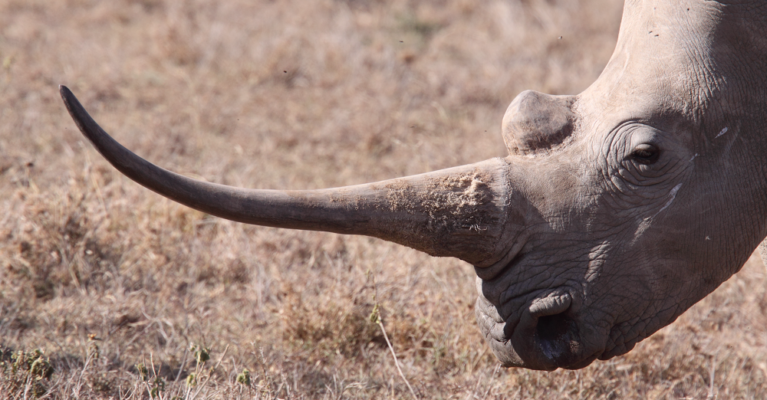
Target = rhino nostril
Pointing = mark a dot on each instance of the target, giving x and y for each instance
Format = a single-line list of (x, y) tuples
[(559, 338)]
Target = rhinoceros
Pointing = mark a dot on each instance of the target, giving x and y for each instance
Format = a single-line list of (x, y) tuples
[(615, 210)]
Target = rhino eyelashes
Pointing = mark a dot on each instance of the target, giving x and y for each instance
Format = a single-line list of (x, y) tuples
[(646, 154)]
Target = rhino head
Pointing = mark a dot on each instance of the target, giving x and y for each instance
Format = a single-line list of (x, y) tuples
[(615, 210)]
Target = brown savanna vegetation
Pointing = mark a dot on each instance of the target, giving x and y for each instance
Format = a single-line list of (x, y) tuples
[(104, 286)]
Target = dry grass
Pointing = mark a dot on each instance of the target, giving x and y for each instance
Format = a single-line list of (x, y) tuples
[(105, 276)]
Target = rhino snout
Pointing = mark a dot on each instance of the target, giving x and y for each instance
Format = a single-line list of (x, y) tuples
[(544, 335)]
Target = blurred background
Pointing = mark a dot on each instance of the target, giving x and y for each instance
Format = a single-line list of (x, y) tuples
[(113, 284)]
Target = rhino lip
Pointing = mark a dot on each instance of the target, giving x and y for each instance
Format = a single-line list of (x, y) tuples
[(553, 334), (558, 337), (556, 334)]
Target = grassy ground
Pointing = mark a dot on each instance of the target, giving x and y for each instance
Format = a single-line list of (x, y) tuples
[(114, 284)]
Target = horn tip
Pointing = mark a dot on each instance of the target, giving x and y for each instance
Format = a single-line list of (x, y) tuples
[(65, 93)]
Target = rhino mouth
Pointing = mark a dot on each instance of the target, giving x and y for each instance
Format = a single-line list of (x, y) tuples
[(550, 333), (559, 340), (545, 333), (556, 334)]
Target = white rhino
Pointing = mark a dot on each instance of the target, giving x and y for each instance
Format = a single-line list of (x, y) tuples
[(615, 211)]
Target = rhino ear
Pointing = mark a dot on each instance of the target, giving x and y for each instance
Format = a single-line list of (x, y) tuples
[(763, 251)]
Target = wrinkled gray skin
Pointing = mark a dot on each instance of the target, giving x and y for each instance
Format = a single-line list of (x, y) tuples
[(615, 211), (624, 243)]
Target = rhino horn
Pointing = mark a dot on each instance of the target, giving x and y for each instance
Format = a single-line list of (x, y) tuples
[(459, 212)]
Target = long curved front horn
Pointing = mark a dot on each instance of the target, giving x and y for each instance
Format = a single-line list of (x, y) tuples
[(459, 212)]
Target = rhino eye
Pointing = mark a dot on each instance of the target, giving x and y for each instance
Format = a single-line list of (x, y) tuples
[(645, 154)]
